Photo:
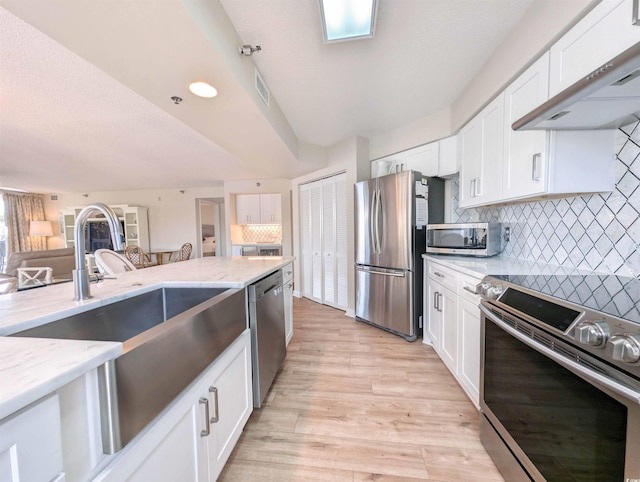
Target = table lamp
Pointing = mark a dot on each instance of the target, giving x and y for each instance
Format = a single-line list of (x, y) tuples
[(40, 228)]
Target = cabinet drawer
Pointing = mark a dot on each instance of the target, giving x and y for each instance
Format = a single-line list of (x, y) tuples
[(287, 274), (443, 275), (467, 288)]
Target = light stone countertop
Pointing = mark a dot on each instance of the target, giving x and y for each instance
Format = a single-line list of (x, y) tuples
[(31, 368), (499, 265)]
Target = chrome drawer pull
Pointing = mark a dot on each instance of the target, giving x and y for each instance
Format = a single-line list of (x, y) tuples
[(207, 430), (215, 417)]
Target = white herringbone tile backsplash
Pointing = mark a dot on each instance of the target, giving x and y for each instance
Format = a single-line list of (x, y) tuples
[(598, 232)]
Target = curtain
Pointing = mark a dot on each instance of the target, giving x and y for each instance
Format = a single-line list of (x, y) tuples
[(19, 210)]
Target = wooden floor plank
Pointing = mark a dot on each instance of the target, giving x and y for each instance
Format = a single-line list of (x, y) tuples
[(354, 403)]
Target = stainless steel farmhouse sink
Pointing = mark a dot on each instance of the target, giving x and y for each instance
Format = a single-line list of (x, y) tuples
[(169, 336)]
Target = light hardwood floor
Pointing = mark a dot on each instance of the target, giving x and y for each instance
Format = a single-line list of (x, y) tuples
[(353, 403)]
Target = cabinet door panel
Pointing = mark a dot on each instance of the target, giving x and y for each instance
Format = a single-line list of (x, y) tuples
[(248, 209), (526, 154), (469, 349), (423, 159), (434, 319), (448, 157), (470, 152), (448, 306), (176, 456), (230, 398), (605, 32), (25, 455), (270, 208), (489, 185)]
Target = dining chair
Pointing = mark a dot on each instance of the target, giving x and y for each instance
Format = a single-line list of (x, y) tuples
[(138, 257), (184, 253), (110, 262)]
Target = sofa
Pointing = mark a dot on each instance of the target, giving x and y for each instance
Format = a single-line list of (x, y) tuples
[(62, 261)]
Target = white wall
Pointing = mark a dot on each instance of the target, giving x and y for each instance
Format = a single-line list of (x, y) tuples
[(172, 214), (351, 157), (266, 186)]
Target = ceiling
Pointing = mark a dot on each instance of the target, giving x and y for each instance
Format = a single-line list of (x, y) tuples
[(86, 86)]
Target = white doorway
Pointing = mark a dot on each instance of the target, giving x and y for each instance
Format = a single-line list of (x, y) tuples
[(211, 226)]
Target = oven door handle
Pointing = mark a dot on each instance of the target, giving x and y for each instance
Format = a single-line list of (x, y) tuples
[(570, 365)]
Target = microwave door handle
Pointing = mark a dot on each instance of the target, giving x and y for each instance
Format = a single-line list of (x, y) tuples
[(589, 375)]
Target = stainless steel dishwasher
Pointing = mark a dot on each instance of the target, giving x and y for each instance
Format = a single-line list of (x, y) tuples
[(266, 320)]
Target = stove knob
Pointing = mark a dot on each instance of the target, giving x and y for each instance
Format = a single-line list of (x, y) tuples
[(592, 333), (482, 288), (494, 292), (624, 347)]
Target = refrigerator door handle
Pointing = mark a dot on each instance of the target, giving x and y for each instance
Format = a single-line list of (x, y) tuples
[(378, 227), (372, 224), (397, 274)]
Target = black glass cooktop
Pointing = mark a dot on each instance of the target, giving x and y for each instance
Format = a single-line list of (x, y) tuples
[(610, 294)]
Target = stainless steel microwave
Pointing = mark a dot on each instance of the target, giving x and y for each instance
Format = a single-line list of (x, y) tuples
[(468, 239)]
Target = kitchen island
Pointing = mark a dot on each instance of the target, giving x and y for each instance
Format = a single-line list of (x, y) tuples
[(33, 369)]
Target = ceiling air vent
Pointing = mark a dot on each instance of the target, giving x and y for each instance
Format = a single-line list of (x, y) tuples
[(262, 88)]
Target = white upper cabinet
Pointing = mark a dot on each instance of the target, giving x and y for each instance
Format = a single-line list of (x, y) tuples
[(448, 162), (551, 162), (525, 162), (515, 165), (480, 147), (436, 159), (271, 208), (423, 159), (258, 208), (248, 209), (602, 34)]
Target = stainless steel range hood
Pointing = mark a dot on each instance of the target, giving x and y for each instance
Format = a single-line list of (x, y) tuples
[(607, 98)]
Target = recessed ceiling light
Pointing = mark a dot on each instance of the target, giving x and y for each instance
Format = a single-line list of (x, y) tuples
[(202, 89), (347, 19)]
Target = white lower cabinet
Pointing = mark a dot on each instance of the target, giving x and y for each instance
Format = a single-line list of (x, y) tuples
[(193, 438), (469, 348), (453, 323), (448, 306), (25, 453)]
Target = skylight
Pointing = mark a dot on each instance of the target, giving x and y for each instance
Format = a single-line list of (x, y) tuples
[(347, 19)]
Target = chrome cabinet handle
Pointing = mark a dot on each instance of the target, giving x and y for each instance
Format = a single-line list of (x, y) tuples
[(215, 417), (536, 175), (635, 17), (435, 300), (466, 288), (207, 430), (472, 188), (438, 274)]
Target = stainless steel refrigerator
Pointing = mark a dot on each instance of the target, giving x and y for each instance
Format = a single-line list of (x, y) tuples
[(391, 217)]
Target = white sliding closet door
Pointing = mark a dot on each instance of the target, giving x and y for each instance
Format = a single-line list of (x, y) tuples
[(323, 230)]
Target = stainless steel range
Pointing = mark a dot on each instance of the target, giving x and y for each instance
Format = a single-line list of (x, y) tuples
[(560, 379)]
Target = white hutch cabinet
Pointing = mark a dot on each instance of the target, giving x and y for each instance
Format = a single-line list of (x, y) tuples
[(133, 218)]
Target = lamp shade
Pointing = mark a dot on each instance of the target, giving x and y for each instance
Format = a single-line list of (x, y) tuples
[(40, 228)]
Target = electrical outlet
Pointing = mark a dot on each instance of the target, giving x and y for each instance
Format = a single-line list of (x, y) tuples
[(507, 234)]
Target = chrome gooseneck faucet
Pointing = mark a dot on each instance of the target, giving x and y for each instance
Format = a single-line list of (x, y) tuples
[(80, 274)]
